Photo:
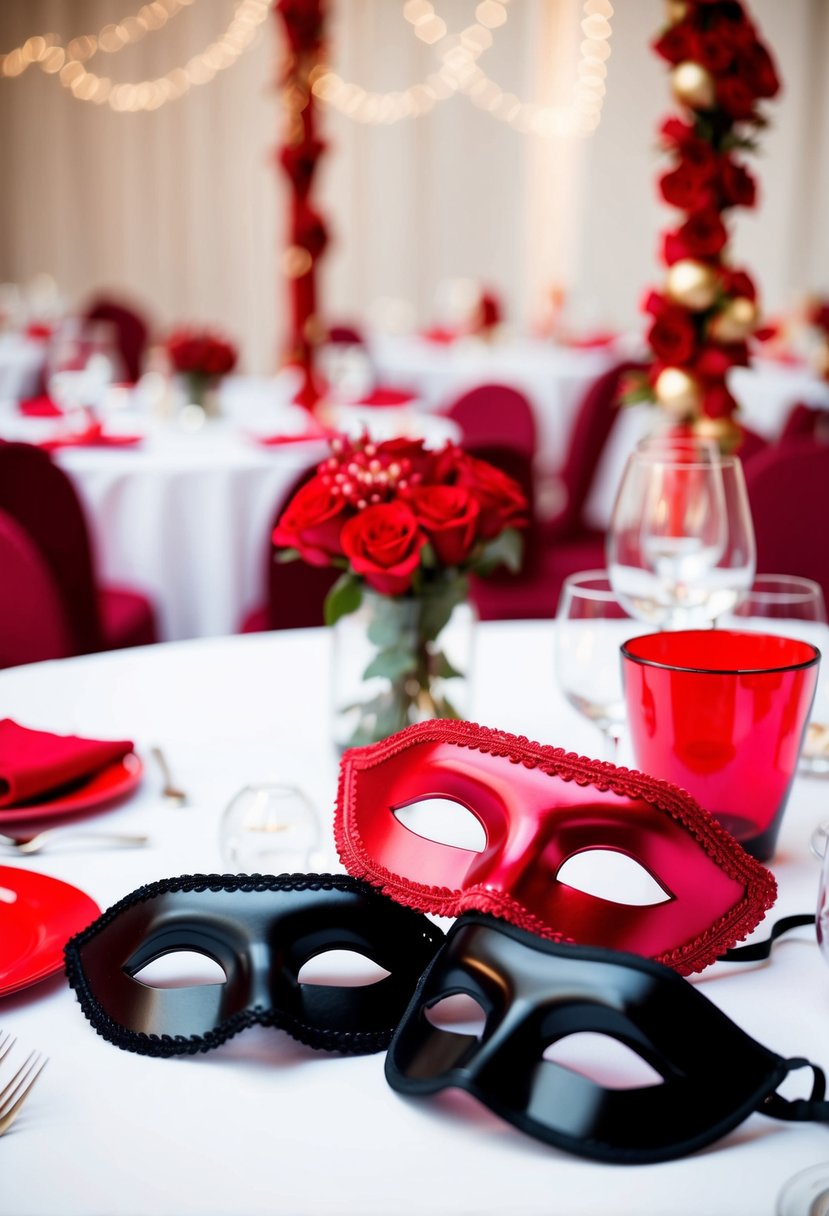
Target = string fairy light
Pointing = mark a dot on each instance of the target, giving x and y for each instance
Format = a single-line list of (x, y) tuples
[(50, 53), (460, 72), (131, 97)]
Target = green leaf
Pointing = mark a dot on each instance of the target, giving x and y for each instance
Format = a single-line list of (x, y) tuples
[(437, 607), (391, 664), (505, 550), (389, 620), (345, 596), (440, 667), (287, 555)]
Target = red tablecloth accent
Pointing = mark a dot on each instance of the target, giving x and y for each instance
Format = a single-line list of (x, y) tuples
[(40, 407)]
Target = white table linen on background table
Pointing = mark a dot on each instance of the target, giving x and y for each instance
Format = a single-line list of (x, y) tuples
[(186, 516), (263, 1125)]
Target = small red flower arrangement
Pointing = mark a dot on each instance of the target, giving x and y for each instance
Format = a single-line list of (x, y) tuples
[(407, 526), (201, 352), (702, 319)]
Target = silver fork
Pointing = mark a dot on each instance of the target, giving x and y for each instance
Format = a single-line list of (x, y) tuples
[(17, 1090), (33, 844)]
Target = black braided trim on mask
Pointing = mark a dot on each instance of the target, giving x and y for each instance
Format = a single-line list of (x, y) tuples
[(342, 1041)]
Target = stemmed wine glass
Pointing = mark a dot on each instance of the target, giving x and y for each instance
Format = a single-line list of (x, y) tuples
[(680, 546), (591, 625)]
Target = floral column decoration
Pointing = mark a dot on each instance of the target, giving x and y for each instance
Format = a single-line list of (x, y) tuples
[(706, 312), (303, 22)]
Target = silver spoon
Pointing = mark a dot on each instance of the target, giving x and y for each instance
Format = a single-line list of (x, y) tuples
[(33, 844), (171, 792)]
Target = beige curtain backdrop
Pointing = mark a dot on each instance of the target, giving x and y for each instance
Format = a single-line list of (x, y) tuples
[(182, 208)]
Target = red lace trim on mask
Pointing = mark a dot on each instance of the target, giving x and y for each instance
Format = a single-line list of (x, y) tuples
[(694, 955)]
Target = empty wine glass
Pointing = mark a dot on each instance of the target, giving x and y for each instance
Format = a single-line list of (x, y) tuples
[(269, 829), (591, 625), (793, 607), (680, 545)]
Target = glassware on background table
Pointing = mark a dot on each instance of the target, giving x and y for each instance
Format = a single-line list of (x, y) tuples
[(723, 714), (793, 607), (269, 828), (591, 625), (680, 546), (819, 841), (806, 1194)]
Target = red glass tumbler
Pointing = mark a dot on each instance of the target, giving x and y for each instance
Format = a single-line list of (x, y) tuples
[(722, 714)]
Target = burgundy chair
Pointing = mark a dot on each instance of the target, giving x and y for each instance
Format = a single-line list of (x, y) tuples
[(41, 498), (788, 488), (492, 414), (131, 329), (295, 591), (33, 625), (806, 422)]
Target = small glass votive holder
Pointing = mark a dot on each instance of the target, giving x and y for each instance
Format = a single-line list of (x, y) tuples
[(269, 828), (819, 842)]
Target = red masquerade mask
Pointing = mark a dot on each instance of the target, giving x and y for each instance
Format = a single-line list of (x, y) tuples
[(538, 808)]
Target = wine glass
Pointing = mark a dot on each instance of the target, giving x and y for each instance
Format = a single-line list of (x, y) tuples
[(793, 607), (680, 546), (269, 829), (591, 625)]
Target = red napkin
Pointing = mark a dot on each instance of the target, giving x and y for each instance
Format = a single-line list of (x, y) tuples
[(39, 407), (384, 397), (35, 762), (592, 341), (439, 335), (93, 437)]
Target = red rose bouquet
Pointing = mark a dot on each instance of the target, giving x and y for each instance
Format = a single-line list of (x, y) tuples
[(202, 357), (703, 318), (406, 526)]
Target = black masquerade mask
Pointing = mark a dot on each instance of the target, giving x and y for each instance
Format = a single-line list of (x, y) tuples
[(536, 994), (260, 930)]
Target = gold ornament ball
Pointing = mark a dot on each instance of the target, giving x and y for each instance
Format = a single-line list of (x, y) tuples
[(693, 85), (692, 284), (736, 321), (676, 10), (678, 392), (723, 431)]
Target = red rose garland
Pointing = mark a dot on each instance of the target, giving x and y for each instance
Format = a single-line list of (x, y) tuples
[(705, 314), (303, 22)]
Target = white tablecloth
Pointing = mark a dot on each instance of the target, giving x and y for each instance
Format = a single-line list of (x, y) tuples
[(262, 1125), (186, 516)]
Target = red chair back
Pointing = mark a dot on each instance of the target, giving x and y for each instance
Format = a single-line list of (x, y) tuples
[(296, 591), (41, 498), (788, 488), (32, 622), (131, 329), (594, 422), (806, 422), (494, 414)]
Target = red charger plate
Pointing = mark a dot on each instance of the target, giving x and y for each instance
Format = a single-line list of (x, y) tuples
[(38, 915), (107, 785)]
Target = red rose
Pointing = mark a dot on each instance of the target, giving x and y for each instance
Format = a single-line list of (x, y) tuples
[(383, 544), (673, 337), (449, 517), (501, 500), (737, 186), (679, 42), (685, 188), (714, 53), (655, 304), (716, 360), (717, 402), (730, 24), (299, 162), (312, 523), (738, 283), (410, 454), (310, 232), (735, 97), (757, 69), (303, 22), (675, 131), (698, 155), (703, 235)]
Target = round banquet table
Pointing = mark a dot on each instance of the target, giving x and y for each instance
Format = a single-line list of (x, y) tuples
[(264, 1125), (185, 515)]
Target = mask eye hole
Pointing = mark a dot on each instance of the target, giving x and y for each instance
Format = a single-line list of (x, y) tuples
[(181, 969), (341, 969), (603, 1060), (457, 1014), (443, 821), (614, 876)]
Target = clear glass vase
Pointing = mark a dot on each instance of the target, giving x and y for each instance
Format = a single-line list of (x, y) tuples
[(402, 659)]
